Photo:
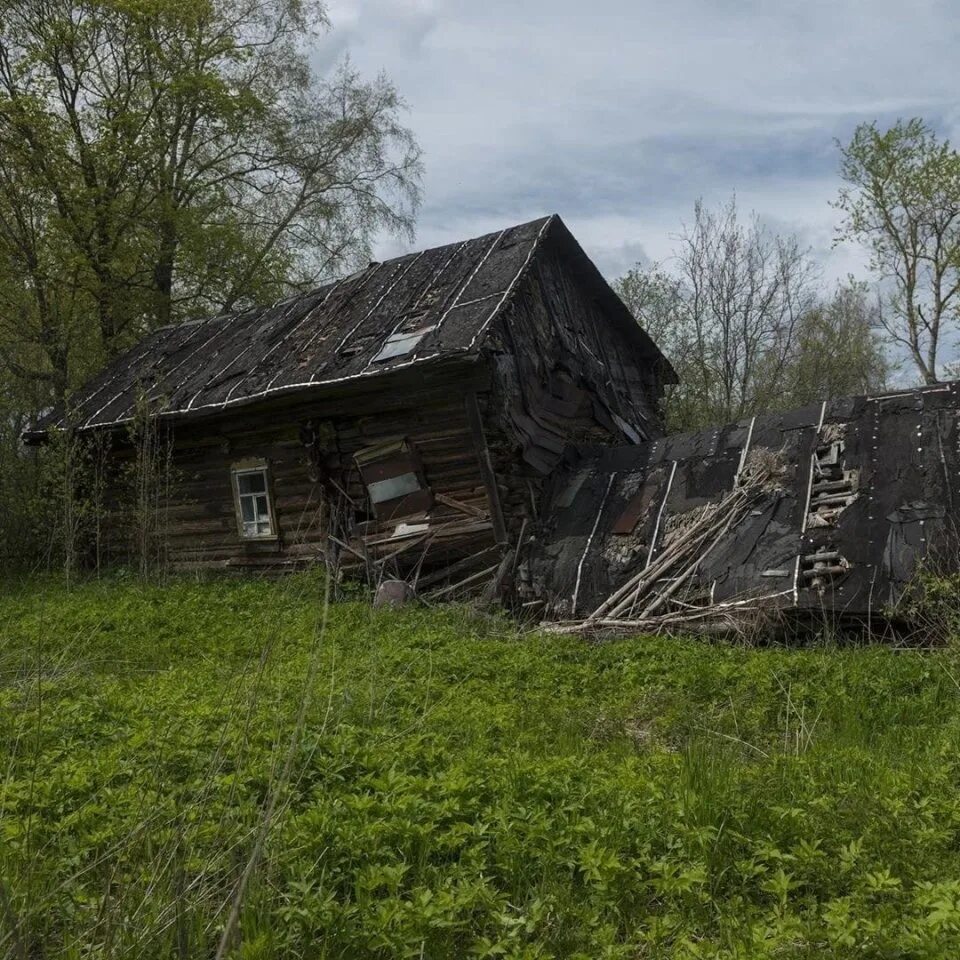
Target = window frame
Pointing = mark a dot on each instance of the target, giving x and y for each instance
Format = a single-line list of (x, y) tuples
[(246, 468), (398, 450)]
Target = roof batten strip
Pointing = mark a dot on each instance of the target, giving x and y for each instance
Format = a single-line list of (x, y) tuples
[(373, 309), (241, 354), (146, 348), (424, 292), (469, 279), (220, 404), (513, 282), (470, 303), (286, 337), (225, 319), (128, 386), (369, 273)]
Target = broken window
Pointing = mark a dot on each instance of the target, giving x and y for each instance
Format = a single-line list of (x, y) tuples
[(355, 345), (251, 492), (393, 476)]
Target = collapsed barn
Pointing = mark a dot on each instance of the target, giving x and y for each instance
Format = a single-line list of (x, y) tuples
[(826, 508), (404, 419)]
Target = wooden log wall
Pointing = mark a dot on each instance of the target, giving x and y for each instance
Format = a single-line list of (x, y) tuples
[(310, 449), (198, 516)]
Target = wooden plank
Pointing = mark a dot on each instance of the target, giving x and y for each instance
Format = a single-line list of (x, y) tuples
[(462, 506), (458, 567), (486, 466), (474, 578)]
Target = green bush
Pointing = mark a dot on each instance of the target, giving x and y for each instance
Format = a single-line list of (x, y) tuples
[(929, 607), (431, 783)]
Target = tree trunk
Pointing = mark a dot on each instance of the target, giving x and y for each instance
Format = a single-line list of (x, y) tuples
[(163, 272)]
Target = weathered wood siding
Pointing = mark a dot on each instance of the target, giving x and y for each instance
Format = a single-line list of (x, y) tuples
[(200, 515)]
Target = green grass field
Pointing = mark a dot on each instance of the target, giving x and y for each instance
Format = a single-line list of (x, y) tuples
[(430, 783)]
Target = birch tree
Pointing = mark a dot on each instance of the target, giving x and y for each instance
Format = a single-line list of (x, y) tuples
[(901, 199)]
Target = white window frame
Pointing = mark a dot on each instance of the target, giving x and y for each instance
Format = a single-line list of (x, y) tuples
[(247, 468)]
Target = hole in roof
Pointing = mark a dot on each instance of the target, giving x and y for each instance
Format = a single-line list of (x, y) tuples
[(401, 343), (355, 346), (429, 298)]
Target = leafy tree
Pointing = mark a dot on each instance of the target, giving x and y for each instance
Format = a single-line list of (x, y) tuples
[(745, 327), (661, 304), (166, 159), (727, 316), (746, 290), (902, 200), (837, 349)]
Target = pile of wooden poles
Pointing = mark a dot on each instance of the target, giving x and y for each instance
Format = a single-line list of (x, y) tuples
[(648, 600)]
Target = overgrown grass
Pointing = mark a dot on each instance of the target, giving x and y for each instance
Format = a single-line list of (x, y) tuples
[(458, 789)]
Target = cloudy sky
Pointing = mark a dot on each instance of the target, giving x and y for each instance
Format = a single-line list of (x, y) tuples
[(618, 114)]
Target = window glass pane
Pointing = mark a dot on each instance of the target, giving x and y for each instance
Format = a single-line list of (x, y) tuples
[(251, 482), (393, 487), (400, 344), (253, 503)]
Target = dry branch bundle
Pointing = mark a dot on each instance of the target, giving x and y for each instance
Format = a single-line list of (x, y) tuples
[(694, 537)]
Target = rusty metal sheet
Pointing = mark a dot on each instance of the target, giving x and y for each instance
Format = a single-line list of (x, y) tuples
[(636, 507)]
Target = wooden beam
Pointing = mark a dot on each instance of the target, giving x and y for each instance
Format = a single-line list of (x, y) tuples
[(493, 588), (486, 466), (455, 568), (463, 583)]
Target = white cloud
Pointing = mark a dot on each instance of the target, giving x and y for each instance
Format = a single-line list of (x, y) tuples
[(618, 114)]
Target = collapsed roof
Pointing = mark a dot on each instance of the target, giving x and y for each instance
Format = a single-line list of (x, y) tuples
[(421, 308), (829, 507)]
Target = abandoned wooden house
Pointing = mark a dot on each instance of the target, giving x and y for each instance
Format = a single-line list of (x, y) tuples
[(407, 415), (831, 508)]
